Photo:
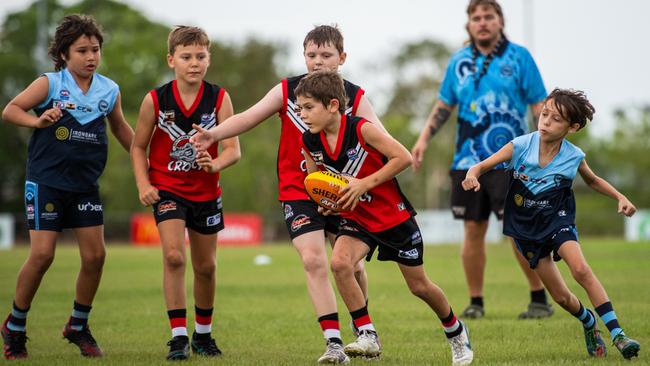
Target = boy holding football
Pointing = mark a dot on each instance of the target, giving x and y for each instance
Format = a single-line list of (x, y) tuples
[(540, 211), (182, 184), (323, 50), (378, 215)]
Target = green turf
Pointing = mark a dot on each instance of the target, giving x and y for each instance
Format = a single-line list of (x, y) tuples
[(263, 315)]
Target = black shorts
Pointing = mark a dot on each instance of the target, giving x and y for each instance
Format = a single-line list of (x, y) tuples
[(534, 251), (476, 206), (302, 217), (401, 244), (203, 217), (53, 209)]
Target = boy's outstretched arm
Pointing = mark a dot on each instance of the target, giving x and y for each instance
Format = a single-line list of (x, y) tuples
[(398, 159), (471, 179), (240, 122), (147, 193), (600, 185), (119, 126), (230, 151)]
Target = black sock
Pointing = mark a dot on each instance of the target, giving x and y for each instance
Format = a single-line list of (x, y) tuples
[(478, 301), (538, 296)]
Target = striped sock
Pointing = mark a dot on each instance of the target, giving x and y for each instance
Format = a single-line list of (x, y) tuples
[(203, 320), (608, 316), (79, 318), (362, 320), (17, 321), (329, 324), (585, 316), (452, 326), (178, 322)]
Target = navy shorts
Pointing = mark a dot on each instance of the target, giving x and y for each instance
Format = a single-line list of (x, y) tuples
[(54, 209), (401, 244), (534, 251), (203, 217), (476, 206), (302, 217)]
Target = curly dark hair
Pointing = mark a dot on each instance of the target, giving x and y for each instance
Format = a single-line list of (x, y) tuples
[(573, 105), (69, 30)]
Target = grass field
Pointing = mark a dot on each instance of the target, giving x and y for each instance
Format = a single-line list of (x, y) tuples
[(263, 315)]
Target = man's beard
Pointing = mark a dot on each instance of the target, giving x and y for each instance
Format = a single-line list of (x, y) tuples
[(487, 42)]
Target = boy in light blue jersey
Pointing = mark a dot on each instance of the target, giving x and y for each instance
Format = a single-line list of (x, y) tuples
[(540, 211)]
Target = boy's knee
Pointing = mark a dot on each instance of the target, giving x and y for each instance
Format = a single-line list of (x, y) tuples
[(562, 299), (582, 273), (419, 288), (341, 266), (41, 260), (174, 259), (314, 263), (206, 269), (94, 260)]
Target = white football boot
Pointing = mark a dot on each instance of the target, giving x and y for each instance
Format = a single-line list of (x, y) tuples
[(367, 345), (334, 354), (461, 348)]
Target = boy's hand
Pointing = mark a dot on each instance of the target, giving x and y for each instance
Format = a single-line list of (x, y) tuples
[(326, 212), (471, 182), (148, 195), (204, 159), (203, 139), (48, 118), (351, 193), (626, 207)]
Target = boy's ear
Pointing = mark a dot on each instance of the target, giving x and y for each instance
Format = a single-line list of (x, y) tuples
[(333, 106), (342, 57), (574, 127), (170, 58)]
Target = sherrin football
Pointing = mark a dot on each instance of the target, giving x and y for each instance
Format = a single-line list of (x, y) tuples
[(323, 187)]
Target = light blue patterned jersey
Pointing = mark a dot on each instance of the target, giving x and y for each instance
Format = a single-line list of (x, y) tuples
[(540, 200), (71, 154), (492, 111)]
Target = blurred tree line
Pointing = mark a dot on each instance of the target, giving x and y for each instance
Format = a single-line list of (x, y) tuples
[(134, 56)]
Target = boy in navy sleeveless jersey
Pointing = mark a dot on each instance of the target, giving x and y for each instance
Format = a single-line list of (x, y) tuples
[(492, 81), (323, 50), (67, 154), (182, 184), (540, 211), (379, 215)]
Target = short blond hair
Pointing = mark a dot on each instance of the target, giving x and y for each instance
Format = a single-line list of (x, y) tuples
[(183, 35)]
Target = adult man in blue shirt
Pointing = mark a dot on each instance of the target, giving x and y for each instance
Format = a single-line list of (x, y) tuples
[(492, 81)]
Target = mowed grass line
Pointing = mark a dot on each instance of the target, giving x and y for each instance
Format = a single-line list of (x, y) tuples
[(263, 315)]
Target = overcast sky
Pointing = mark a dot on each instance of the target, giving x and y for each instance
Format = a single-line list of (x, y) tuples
[(594, 45)]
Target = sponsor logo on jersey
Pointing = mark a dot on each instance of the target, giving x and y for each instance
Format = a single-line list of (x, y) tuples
[(49, 207), (317, 156), (62, 133), (89, 206), (506, 71), (166, 206), (458, 210), (409, 254), (299, 221), (30, 212), (561, 213), (401, 206), (519, 200), (61, 104), (102, 106), (416, 238), (213, 220), (84, 136), (64, 94), (288, 211), (169, 117), (49, 213)]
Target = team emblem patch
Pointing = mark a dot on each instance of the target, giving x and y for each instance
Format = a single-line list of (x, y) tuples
[(102, 106), (288, 211), (205, 118), (506, 70), (353, 154), (317, 156), (519, 200), (64, 94), (49, 207), (169, 117), (409, 254)]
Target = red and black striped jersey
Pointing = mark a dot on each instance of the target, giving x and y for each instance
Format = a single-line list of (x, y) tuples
[(172, 158), (291, 166), (381, 208)]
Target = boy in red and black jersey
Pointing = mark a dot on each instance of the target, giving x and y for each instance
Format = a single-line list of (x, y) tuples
[(378, 216), (182, 184), (323, 50)]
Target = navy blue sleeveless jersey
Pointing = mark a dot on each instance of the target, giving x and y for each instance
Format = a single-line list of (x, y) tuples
[(540, 201), (71, 154)]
